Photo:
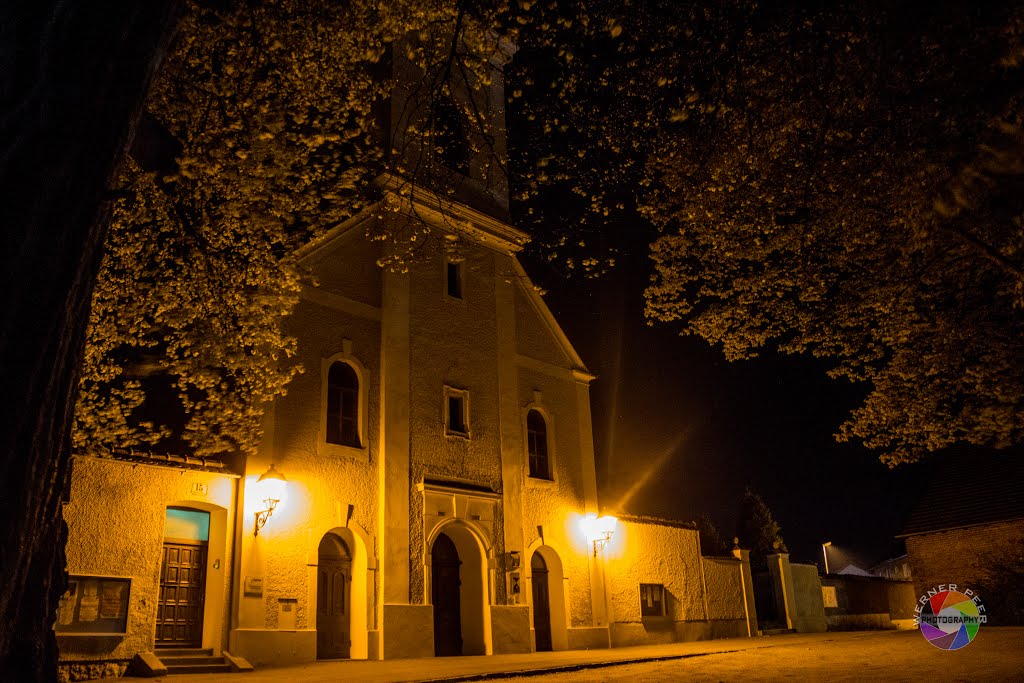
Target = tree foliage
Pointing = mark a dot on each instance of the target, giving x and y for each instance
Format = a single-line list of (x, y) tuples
[(263, 129), (846, 182), (837, 179)]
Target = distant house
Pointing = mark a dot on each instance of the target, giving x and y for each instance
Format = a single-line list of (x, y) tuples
[(896, 568), (968, 522)]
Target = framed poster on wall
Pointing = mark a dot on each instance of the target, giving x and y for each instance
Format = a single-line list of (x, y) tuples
[(94, 606)]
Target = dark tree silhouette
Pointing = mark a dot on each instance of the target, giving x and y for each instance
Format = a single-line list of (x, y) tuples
[(711, 541), (757, 528), (72, 76)]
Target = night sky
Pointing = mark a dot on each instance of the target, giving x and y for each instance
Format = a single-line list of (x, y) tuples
[(679, 431)]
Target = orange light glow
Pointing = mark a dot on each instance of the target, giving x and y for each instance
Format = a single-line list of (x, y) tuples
[(598, 530)]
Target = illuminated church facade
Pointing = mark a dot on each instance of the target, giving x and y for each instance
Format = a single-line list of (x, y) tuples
[(426, 487)]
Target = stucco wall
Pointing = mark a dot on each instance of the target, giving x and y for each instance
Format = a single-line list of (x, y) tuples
[(349, 267), (723, 576), (558, 505), (322, 482), (453, 343), (869, 602), (116, 518), (810, 610), (533, 336), (648, 553), (667, 554)]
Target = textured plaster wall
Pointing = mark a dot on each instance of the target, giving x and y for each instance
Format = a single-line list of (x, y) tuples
[(558, 505), (349, 267), (116, 522), (651, 553), (724, 588), (321, 483), (533, 336), (454, 343), (810, 610), (902, 599), (960, 556)]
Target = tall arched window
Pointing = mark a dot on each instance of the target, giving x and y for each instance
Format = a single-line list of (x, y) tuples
[(343, 405), (537, 445)]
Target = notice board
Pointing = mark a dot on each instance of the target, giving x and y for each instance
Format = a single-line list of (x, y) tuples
[(94, 606)]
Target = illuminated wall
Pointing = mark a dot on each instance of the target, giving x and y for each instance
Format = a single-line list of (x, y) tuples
[(703, 598), (339, 320), (116, 523)]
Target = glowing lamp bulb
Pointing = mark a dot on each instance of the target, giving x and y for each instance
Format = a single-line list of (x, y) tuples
[(271, 489), (598, 530)]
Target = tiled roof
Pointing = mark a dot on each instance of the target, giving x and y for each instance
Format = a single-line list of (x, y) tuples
[(211, 463), (969, 489)]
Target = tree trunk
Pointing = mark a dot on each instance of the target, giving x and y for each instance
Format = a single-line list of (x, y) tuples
[(72, 77)]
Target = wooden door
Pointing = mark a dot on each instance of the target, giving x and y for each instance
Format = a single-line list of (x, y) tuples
[(333, 595), (445, 588), (179, 615), (541, 603)]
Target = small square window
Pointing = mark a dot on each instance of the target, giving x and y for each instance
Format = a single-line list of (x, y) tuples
[(456, 417), (652, 600), (454, 271)]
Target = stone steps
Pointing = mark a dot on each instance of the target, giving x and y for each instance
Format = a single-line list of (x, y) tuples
[(193, 661)]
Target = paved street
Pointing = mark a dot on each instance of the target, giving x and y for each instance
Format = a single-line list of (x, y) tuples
[(997, 654)]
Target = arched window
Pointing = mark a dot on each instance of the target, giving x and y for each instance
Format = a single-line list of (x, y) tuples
[(451, 138), (537, 445), (343, 405)]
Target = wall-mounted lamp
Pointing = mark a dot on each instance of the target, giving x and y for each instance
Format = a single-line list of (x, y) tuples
[(270, 488), (598, 530)]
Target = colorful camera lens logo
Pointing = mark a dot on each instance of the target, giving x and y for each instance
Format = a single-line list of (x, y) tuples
[(949, 618)]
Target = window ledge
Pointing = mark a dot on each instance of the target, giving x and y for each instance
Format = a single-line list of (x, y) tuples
[(538, 483), (457, 435), (335, 450)]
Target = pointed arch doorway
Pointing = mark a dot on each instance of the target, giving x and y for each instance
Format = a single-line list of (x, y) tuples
[(333, 599)]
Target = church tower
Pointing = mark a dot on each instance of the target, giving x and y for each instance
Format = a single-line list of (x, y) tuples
[(446, 118)]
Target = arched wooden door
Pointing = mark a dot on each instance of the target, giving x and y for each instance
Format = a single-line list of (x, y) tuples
[(334, 578), (445, 588), (541, 603)]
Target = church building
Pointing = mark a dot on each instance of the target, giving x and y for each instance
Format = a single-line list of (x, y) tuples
[(427, 485)]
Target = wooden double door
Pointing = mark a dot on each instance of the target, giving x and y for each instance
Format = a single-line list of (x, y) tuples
[(179, 615), (333, 598)]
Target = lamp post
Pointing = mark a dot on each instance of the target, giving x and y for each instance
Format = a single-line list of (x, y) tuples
[(824, 553)]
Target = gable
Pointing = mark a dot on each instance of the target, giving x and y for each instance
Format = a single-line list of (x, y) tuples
[(346, 264), (538, 334)]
